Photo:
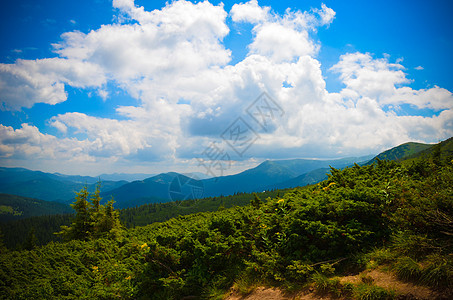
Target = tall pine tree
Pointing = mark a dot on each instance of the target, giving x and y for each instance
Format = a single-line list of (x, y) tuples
[(92, 220)]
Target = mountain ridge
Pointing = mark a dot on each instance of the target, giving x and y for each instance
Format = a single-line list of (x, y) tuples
[(270, 174)]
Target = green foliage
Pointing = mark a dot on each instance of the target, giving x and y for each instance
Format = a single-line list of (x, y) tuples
[(407, 268), (92, 220), (2, 244), (403, 151), (256, 201), (306, 235), (366, 291), (14, 207), (332, 286), (438, 271), (159, 212), (31, 241), (245, 284), (16, 231), (81, 226)]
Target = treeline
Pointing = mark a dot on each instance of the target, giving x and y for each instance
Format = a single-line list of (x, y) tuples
[(159, 212), (16, 233), (13, 207), (398, 214)]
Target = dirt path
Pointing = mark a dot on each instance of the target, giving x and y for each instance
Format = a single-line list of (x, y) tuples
[(378, 277), (390, 282)]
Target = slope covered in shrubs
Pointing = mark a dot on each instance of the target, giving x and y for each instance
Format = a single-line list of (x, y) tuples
[(392, 213)]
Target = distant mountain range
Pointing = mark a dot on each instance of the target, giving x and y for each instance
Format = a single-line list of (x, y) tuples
[(269, 175), (46, 186), (124, 176)]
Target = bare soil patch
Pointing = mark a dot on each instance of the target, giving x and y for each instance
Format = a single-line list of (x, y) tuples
[(403, 290)]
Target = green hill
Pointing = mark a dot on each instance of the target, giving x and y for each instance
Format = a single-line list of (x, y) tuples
[(14, 207), (410, 151), (445, 148), (311, 177), (15, 232), (402, 151)]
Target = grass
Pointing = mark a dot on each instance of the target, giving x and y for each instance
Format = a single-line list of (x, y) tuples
[(411, 244), (245, 284), (438, 271), (214, 293), (407, 269), (366, 291), (325, 285), (378, 257)]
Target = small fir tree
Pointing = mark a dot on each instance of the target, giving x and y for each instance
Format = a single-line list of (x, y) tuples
[(92, 220)]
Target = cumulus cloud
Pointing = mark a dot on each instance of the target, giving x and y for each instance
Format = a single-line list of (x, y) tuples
[(383, 81), (174, 62), (27, 82), (326, 14), (282, 38), (249, 12), (370, 77), (27, 141), (180, 39), (281, 43)]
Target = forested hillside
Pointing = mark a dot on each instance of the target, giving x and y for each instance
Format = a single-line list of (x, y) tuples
[(397, 214), (16, 233), (403, 151), (14, 207)]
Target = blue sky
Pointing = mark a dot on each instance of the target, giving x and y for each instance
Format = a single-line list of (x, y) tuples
[(92, 87)]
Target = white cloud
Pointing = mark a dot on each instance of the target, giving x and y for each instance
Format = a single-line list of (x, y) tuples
[(27, 82), (107, 137), (434, 98), (174, 62), (178, 40), (327, 14), (282, 38), (419, 68), (370, 77), (28, 142), (249, 12), (281, 43), (382, 80), (103, 94)]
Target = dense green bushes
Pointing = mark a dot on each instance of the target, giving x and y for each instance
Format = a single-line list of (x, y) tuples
[(311, 230), (16, 232)]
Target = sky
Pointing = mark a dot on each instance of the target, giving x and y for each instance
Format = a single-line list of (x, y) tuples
[(123, 86)]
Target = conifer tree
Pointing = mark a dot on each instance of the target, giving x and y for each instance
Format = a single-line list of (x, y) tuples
[(96, 208), (108, 224), (256, 202), (96, 198), (437, 155), (81, 227), (92, 220), (2, 244), (31, 241)]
